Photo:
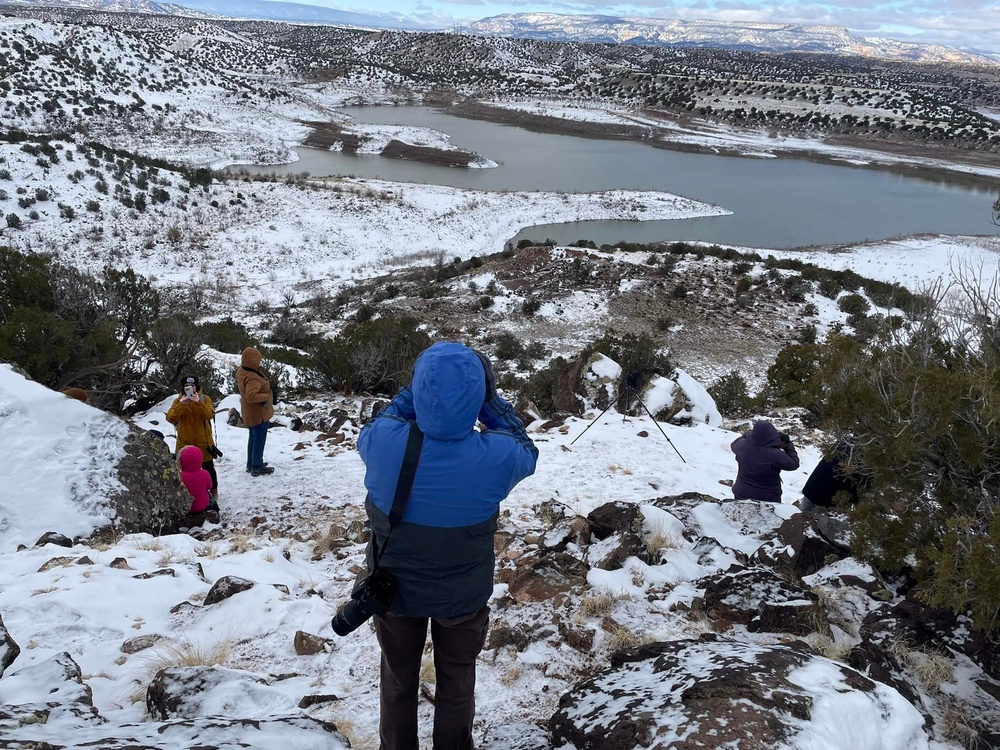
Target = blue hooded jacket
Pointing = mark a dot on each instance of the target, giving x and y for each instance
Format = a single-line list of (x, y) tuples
[(761, 459), (442, 553)]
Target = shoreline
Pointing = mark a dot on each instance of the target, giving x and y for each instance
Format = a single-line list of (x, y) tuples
[(904, 162)]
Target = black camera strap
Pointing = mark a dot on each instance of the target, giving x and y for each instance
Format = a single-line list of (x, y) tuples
[(404, 485)]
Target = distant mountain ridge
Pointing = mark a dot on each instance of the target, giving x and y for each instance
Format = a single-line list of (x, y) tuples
[(253, 9), (758, 37)]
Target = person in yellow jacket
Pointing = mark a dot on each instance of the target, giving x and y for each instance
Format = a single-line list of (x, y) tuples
[(193, 413), (256, 408)]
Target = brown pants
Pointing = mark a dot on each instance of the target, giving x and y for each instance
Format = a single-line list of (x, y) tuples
[(457, 643)]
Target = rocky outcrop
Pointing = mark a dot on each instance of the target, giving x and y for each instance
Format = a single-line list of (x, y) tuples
[(905, 645), (757, 598), (618, 527), (192, 692), (710, 693), (153, 499), (807, 542), (50, 691), (9, 650), (541, 577)]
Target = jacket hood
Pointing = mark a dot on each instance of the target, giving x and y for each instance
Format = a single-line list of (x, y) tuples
[(765, 435), (449, 387), (191, 458), (251, 358)]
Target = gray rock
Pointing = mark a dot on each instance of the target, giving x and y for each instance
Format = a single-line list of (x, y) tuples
[(803, 547), (54, 537), (515, 737), (141, 643), (759, 599), (153, 499), (52, 690), (226, 587), (187, 692), (9, 650)]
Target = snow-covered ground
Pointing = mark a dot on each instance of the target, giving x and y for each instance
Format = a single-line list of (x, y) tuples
[(275, 533)]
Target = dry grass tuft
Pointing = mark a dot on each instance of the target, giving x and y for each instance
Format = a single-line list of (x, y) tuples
[(598, 605), (242, 542), (830, 647), (511, 676), (659, 541), (958, 724), (621, 638), (931, 668), (209, 550), (153, 544)]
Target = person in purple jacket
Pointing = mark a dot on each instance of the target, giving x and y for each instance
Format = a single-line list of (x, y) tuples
[(762, 454)]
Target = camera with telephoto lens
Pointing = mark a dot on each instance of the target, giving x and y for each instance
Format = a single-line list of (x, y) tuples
[(371, 597), (784, 437)]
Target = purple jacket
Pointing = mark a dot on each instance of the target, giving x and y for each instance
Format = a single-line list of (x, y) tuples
[(761, 460)]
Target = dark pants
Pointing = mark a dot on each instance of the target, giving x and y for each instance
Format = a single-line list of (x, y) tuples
[(209, 466), (457, 643), (255, 445)]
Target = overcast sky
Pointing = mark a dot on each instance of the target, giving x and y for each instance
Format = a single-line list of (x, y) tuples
[(972, 23)]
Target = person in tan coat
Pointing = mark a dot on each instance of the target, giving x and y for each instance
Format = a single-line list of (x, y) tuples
[(192, 413), (256, 407)]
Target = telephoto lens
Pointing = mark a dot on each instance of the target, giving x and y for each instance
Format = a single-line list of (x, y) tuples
[(351, 616)]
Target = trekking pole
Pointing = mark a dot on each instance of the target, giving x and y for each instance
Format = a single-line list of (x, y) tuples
[(593, 421)]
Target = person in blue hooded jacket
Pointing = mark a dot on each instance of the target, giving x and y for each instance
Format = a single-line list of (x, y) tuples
[(442, 553), (762, 454)]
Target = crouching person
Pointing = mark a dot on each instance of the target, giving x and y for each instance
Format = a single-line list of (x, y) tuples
[(440, 556), (199, 485)]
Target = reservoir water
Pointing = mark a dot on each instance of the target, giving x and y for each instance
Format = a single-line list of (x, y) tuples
[(776, 202)]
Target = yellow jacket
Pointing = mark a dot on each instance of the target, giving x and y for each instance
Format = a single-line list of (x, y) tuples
[(194, 423)]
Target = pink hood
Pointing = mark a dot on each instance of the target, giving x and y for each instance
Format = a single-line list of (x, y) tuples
[(191, 458)]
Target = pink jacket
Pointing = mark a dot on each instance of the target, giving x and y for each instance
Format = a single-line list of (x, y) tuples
[(196, 479)]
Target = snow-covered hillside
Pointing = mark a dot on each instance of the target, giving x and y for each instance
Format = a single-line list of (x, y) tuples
[(772, 37), (296, 536)]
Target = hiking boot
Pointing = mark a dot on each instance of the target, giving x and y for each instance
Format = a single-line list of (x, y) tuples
[(262, 472), (250, 469)]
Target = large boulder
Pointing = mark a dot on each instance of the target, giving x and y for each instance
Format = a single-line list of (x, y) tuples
[(152, 498), (762, 601), (9, 650), (51, 691), (807, 542), (680, 399), (709, 693), (192, 692)]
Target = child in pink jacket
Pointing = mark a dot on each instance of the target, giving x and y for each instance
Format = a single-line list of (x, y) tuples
[(196, 479)]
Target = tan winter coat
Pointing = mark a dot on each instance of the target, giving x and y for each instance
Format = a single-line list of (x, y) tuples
[(256, 404), (194, 424)]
